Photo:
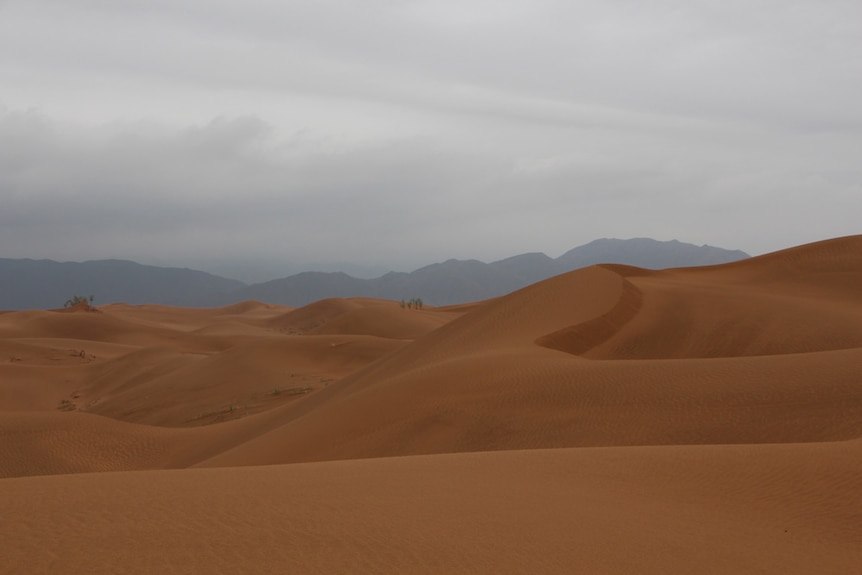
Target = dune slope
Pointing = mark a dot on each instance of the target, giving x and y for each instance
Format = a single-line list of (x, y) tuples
[(707, 509), (739, 353)]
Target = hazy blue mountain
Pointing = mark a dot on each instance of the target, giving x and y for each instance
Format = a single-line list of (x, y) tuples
[(254, 271), (450, 281), (530, 268), (453, 281), (46, 284), (303, 288), (647, 253), (459, 281)]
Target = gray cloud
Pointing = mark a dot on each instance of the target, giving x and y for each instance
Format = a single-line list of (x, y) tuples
[(399, 133)]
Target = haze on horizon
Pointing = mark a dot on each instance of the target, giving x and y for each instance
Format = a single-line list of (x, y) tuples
[(396, 134)]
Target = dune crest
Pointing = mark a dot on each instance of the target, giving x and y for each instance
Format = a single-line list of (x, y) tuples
[(580, 338)]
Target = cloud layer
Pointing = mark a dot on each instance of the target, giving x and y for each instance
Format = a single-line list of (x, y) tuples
[(400, 133)]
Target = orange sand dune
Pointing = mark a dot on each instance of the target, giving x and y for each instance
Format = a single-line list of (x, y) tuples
[(799, 300), (159, 386), (100, 327), (482, 382), (786, 509), (608, 420), (249, 312), (362, 316), (37, 373), (166, 366), (522, 401), (36, 443)]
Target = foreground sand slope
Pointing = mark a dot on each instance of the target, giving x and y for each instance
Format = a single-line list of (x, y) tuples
[(792, 508)]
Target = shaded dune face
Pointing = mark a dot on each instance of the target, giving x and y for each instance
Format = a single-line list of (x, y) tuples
[(580, 338)]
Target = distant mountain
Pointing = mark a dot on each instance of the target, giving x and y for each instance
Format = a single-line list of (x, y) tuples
[(303, 287), (46, 284), (450, 281), (459, 281), (530, 268), (647, 253), (27, 284)]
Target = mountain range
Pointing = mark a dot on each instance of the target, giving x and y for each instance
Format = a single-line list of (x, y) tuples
[(41, 284)]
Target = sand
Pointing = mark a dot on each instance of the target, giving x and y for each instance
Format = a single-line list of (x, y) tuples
[(608, 420)]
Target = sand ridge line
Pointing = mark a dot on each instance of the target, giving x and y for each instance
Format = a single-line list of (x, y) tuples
[(579, 339)]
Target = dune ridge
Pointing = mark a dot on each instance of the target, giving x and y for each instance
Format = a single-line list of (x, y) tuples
[(579, 338)]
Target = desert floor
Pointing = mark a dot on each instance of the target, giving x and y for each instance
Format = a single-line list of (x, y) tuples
[(608, 420)]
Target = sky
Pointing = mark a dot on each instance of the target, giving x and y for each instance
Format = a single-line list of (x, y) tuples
[(391, 134)]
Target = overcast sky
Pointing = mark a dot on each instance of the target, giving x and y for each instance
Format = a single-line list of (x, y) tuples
[(397, 133)]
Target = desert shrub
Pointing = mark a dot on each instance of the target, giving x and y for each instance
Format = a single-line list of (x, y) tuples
[(413, 303), (76, 299)]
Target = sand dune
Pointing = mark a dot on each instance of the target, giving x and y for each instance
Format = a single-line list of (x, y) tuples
[(362, 316), (36, 443), (707, 509), (159, 386), (608, 420), (488, 381)]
